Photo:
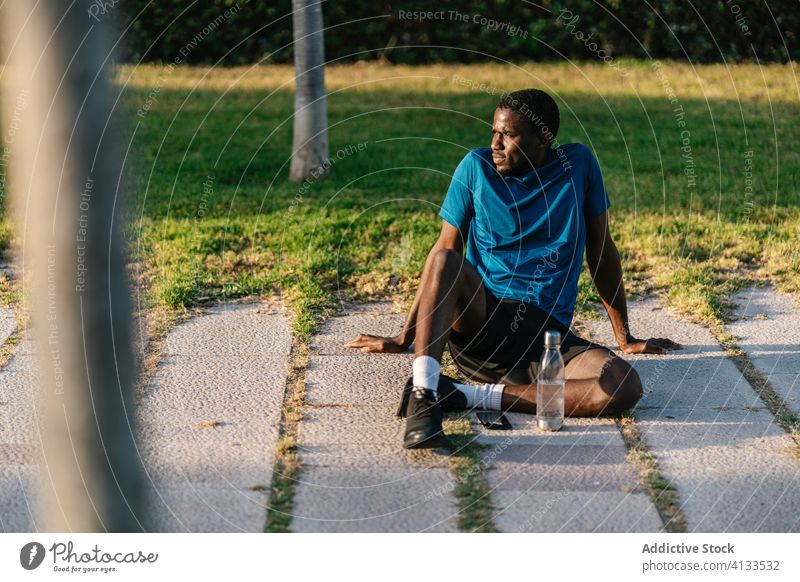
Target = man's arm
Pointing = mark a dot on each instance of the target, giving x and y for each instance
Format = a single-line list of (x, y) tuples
[(605, 267), (449, 238)]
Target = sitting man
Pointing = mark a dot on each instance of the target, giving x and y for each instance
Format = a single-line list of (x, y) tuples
[(524, 211)]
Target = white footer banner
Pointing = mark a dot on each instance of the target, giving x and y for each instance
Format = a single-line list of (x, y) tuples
[(399, 556)]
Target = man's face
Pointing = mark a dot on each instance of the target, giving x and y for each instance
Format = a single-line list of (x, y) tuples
[(516, 148)]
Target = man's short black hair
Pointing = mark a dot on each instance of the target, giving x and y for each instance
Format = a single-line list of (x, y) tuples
[(536, 107)]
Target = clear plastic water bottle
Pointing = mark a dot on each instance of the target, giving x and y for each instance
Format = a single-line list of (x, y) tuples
[(550, 384)]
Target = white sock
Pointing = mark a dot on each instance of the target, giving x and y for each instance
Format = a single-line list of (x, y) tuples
[(426, 373), (483, 396)]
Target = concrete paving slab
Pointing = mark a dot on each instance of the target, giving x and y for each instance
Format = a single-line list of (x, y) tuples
[(19, 444), (18, 498), (24, 362), (18, 409), (788, 387), (712, 503), (196, 380), (731, 464), (695, 380), (576, 479), (559, 467), (701, 426), (574, 511), (27, 347), (380, 318), (347, 425), (357, 476), (369, 499), (14, 454), (231, 330), (211, 458), (767, 326), (200, 509), (350, 379), (338, 455), (770, 363), (539, 480), (8, 323), (210, 419)]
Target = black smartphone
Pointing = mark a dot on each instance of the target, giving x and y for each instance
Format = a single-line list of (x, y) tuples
[(493, 420)]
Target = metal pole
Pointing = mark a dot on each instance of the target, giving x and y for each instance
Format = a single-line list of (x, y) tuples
[(65, 190)]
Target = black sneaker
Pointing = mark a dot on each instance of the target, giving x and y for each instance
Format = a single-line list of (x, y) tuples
[(449, 398), (424, 421)]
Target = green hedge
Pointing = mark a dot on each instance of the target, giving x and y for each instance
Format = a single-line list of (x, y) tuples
[(201, 31)]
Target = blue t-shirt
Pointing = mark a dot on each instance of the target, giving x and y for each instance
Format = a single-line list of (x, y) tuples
[(527, 234)]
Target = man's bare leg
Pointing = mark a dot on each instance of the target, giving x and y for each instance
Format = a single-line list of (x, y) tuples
[(452, 298), (597, 382)]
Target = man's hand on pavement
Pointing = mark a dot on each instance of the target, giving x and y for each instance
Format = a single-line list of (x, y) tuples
[(378, 344), (655, 345)]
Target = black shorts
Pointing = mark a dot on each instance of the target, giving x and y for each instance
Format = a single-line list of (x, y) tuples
[(509, 346)]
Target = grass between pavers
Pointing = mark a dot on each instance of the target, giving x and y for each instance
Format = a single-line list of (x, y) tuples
[(10, 346), (661, 491), (782, 414), (475, 509), (11, 298), (158, 321), (287, 465)]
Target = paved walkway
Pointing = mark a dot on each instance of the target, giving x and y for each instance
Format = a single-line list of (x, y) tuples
[(734, 468), (19, 442), (768, 330), (357, 476), (575, 480), (210, 418), (209, 423), (8, 323)]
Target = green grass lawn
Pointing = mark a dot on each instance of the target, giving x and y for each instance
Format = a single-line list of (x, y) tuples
[(214, 216)]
